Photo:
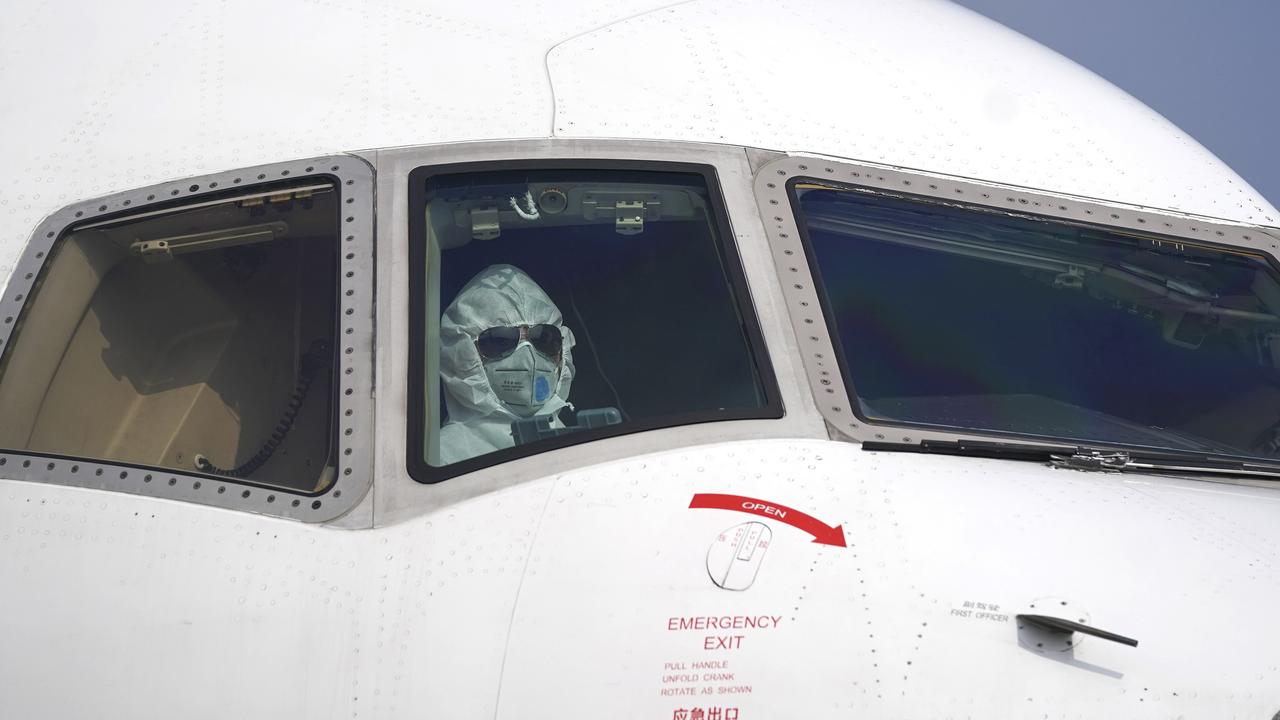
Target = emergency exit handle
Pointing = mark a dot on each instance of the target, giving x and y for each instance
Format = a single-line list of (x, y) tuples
[(1054, 624)]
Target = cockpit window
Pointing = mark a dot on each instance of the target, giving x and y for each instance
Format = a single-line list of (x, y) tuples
[(564, 305), (958, 318), (196, 338)]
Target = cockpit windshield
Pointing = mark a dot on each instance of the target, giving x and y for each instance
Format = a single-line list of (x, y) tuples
[(197, 337), (958, 318), (562, 305)]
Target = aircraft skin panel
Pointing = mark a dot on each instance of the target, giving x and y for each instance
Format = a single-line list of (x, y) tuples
[(226, 614), (926, 84), (147, 91), (151, 608), (175, 91), (891, 625)]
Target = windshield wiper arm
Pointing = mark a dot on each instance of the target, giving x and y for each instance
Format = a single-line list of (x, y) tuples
[(1081, 457)]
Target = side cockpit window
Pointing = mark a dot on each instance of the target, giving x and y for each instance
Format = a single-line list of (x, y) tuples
[(564, 305), (197, 338), (966, 319)]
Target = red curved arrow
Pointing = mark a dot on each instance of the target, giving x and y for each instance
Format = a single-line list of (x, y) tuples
[(822, 533)]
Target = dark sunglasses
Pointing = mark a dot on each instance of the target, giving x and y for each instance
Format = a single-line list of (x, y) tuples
[(499, 342)]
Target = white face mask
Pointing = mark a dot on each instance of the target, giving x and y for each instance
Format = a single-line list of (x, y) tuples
[(524, 380)]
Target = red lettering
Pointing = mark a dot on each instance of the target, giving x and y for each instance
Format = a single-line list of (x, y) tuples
[(722, 622), (722, 642)]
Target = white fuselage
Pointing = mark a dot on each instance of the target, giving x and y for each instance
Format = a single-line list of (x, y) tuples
[(574, 583)]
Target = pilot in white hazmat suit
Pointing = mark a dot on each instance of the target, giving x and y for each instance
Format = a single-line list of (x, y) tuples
[(505, 354)]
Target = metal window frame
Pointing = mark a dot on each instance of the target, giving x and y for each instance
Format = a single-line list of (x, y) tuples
[(806, 303), (772, 409), (353, 180), (396, 497)]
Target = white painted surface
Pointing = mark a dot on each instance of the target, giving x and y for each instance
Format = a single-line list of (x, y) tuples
[(118, 95), (547, 594), (146, 608), (123, 606), (917, 83)]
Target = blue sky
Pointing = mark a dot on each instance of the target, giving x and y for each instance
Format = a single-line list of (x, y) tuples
[(1210, 66)]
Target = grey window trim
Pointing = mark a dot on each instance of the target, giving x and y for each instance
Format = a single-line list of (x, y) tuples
[(772, 191), (354, 179)]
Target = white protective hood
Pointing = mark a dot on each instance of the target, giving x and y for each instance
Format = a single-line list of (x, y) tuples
[(478, 421)]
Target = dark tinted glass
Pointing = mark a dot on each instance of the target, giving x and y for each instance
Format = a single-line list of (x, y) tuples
[(960, 318), (631, 299), (546, 339), (497, 342)]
